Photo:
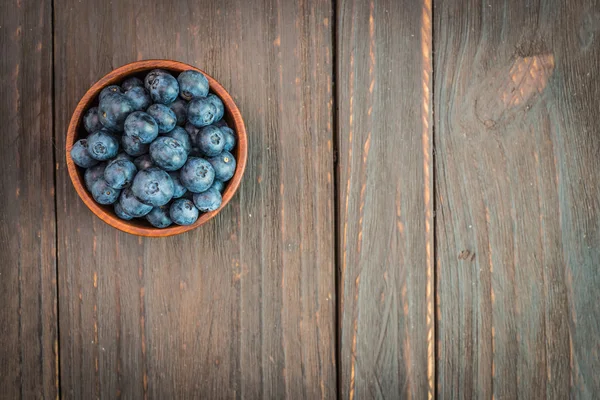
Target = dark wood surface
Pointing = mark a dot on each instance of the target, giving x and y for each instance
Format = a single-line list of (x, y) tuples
[(28, 312), (518, 198), (420, 214), (385, 207)]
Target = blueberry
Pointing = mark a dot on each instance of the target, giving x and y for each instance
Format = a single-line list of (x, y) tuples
[(102, 145), (168, 153), (142, 126), (178, 189), (201, 112), (121, 213), (108, 90), (216, 101), (152, 75), (218, 185), (221, 123), (159, 217), (163, 88), (133, 146), (91, 121), (229, 136), (192, 84), (143, 162), (153, 186), (197, 175), (81, 156), (183, 212), (179, 107), (210, 141), (103, 193), (164, 116), (113, 110), (178, 133), (119, 173), (208, 200), (93, 174), (192, 131), (224, 166), (139, 97), (131, 83), (132, 205)]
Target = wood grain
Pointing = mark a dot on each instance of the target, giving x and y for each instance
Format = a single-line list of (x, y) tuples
[(28, 328), (244, 305), (385, 182), (518, 198)]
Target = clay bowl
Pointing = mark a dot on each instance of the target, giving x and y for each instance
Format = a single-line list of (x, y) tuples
[(76, 130)]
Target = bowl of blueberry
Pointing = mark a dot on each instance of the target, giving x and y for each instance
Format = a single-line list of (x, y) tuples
[(156, 148)]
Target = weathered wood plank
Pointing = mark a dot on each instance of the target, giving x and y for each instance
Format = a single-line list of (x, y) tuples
[(518, 198), (384, 199), (28, 317), (243, 306)]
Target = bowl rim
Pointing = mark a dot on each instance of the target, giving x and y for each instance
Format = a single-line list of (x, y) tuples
[(118, 75)]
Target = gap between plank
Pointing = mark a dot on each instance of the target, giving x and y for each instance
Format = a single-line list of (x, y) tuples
[(57, 376)]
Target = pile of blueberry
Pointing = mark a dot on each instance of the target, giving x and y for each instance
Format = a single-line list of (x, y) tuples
[(157, 149)]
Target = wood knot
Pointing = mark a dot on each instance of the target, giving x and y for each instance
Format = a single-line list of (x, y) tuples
[(466, 255)]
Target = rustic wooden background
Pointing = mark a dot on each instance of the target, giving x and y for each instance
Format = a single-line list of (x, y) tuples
[(420, 215)]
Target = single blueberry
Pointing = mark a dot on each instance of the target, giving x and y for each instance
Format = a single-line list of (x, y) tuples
[(192, 84), (91, 121), (192, 131), (216, 101), (132, 205), (229, 136), (153, 186), (80, 154), (210, 141), (94, 173), (179, 107), (142, 126), (178, 133), (201, 112), (164, 117), (143, 162), (103, 193), (159, 217), (131, 83), (113, 110), (197, 175), (224, 166), (163, 87), (168, 153), (102, 145), (208, 201), (121, 213), (139, 97), (152, 75), (108, 90), (218, 185), (178, 189), (119, 173), (133, 146), (183, 212)]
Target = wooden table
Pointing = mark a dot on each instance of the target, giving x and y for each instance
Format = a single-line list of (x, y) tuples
[(420, 215)]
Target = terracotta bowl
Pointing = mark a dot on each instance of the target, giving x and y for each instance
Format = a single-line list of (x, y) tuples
[(76, 130)]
